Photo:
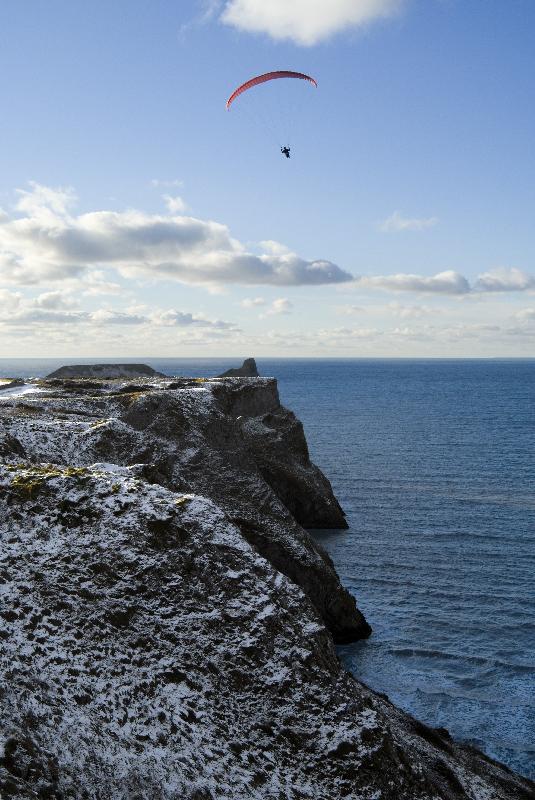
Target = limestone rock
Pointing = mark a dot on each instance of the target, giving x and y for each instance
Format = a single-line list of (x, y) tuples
[(149, 652), (105, 371), (247, 370), (203, 437)]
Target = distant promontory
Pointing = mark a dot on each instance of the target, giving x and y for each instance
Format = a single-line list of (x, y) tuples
[(106, 371)]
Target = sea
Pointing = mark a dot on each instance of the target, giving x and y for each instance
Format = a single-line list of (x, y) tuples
[(433, 462)]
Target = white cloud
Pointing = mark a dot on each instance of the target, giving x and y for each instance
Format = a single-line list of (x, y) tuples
[(167, 184), (106, 316), (55, 308), (525, 314), (279, 306), (349, 310), (412, 312), (55, 300), (48, 244), (44, 203), (252, 302), (274, 248), (397, 223), (173, 318), (305, 22), (175, 205), (9, 300), (448, 282), (95, 283), (505, 280), (409, 333)]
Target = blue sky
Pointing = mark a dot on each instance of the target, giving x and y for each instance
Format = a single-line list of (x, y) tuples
[(140, 218)]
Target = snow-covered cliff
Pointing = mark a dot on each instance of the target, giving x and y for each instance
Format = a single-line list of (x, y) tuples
[(167, 621)]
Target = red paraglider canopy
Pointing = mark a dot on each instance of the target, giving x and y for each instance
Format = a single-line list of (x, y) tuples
[(268, 76)]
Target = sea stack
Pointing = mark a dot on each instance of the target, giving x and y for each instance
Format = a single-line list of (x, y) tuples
[(247, 370)]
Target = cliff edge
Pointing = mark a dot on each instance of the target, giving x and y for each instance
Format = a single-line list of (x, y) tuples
[(166, 620)]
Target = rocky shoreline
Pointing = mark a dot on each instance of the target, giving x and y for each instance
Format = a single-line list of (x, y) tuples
[(168, 623)]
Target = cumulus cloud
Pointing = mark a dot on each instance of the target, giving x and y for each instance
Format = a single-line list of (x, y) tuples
[(107, 316), (412, 312), (252, 302), (44, 244), (448, 282), (279, 306), (274, 248), (43, 202), (175, 205), (305, 22), (55, 308), (55, 300), (47, 243), (397, 223), (505, 280)]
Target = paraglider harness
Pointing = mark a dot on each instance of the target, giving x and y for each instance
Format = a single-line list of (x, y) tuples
[(285, 151)]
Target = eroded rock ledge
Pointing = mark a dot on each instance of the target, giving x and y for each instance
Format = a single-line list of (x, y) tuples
[(166, 619)]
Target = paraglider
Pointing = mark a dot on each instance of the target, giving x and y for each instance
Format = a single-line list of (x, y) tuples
[(270, 76)]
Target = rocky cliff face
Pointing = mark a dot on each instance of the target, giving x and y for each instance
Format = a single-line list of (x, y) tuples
[(166, 620), (229, 440)]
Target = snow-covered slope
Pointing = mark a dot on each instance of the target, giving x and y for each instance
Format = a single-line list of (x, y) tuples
[(166, 621)]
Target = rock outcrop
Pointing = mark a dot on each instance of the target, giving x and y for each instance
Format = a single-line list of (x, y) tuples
[(166, 620), (212, 438), (247, 370), (106, 371)]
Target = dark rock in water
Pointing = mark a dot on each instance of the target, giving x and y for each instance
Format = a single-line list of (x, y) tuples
[(106, 371), (165, 619), (247, 370)]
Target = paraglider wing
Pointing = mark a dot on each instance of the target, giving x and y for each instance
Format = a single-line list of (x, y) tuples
[(268, 76)]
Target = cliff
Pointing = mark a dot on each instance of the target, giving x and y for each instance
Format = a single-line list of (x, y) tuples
[(105, 371), (167, 621)]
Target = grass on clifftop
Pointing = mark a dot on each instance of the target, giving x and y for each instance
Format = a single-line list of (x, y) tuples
[(29, 480)]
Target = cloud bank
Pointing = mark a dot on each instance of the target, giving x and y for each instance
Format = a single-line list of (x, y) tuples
[(305, 22), (51, 309), (45, 242), (450, 282)]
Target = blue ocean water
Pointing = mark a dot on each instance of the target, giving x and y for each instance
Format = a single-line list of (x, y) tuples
[(434, 464)]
